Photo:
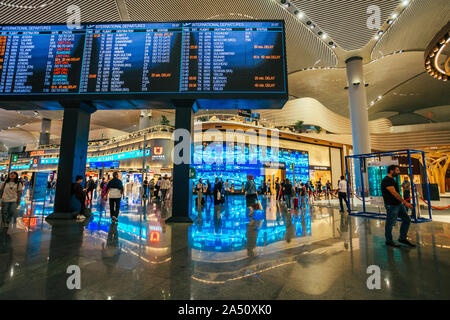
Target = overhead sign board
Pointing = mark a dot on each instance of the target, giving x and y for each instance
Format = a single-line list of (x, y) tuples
[(199, 60)]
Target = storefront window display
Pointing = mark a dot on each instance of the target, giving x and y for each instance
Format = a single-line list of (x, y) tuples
[(234, 164)]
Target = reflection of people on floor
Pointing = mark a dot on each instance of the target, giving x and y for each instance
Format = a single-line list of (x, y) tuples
[(290, 230), (217, 219), (6, 254), (111, 251), (252, 234), (343, 229)]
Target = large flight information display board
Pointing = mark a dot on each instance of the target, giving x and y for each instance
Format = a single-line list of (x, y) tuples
[(179, 58)]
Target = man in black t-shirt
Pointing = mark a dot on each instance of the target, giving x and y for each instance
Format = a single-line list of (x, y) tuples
[(395, 207)]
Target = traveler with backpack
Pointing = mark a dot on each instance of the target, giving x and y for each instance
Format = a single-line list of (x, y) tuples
[(11, 191)]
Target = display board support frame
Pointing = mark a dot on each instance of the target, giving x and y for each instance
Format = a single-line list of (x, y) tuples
[(377, 215)]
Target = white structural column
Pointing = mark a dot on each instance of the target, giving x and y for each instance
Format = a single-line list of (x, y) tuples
[(145, 119), (358, 111)]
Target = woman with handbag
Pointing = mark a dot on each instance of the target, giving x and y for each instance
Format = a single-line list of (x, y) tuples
[(11, 190)]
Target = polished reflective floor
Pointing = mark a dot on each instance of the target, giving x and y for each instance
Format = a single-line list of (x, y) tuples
[(315, 253)]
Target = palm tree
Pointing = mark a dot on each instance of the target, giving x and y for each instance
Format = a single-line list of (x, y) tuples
[(164, 121), (298, 126)]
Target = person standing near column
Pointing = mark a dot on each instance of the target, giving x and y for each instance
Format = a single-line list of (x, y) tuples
[(277, 188), (11, 191), (115, 191), (395, 207), (342, 192)]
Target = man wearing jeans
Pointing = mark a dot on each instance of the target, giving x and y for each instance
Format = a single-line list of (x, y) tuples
[(395, 207), (115, 191)]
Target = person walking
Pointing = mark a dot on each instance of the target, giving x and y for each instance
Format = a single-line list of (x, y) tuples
[(11, 190), (165, 185), (227, 189), (302, 195), (287, 193), (342, 193), (250, 192), (208, 191), (151, 188), (277, 188), (328, 189), (145, 189), (114, 190), (199, 189), (90, 186), (217, 192), (395, 207), (157, 188)]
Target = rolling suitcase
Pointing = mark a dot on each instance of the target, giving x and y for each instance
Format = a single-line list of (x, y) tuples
[(295, 203)]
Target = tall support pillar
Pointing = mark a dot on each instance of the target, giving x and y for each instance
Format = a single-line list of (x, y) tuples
[(144, 119), (72, 155), (358, 112), (182, 193), (44, 137)]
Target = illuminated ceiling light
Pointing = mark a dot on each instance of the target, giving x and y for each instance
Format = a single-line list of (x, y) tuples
[(324, 36), (372, 103), (394, 16), (333, 46), (377, 37), (390, 21), (380, 32), (312, 26), (380, 97), (405, 3), (299, 14)]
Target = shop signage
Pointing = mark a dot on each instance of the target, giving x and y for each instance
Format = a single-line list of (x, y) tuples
[(279, 165), (35, 162), (155, 236), (37, 153), (319, 168)]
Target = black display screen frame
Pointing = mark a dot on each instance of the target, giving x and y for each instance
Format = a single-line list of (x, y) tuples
[(207, 99)]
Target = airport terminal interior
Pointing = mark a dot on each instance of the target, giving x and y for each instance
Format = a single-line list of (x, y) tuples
[(225, 150)]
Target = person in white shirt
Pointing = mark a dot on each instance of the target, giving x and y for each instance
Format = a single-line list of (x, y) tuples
[(11, 190), (342, 192), (165, 185)]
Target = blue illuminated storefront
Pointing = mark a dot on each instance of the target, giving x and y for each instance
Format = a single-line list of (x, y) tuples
[(234, 164)]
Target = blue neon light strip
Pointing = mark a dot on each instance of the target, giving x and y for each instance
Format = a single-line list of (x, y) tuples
[(112, 157)]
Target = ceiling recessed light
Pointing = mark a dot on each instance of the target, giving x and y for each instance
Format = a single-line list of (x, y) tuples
[(405, 2), (377, 37), (324, 36), (380, 97), (380, 32), (389, 21), (394, 16), (299, 14), (312, 26)]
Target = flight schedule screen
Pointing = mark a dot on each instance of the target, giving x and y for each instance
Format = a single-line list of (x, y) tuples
[(137, 58)]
